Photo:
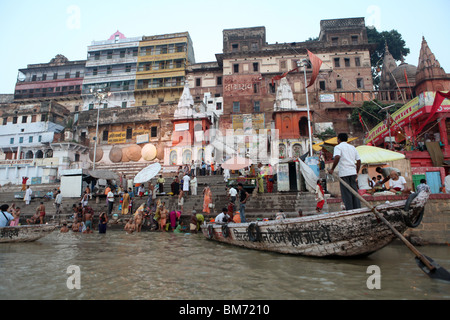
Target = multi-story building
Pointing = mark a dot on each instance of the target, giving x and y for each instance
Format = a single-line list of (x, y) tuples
[(33, 142), (250, 66), (111, 65), (59, 80), (161, 69)]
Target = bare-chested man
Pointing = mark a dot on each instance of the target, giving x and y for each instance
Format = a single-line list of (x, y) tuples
[(138, 220), (64, 228), (130, 227), (88, 217)]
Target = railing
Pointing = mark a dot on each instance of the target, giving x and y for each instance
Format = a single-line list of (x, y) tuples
[(389, 96)]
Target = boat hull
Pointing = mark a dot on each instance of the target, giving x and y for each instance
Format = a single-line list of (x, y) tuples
[(343, 234), (25, 233)]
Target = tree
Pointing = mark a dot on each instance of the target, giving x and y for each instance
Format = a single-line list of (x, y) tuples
[(396, 44), (371, 113)]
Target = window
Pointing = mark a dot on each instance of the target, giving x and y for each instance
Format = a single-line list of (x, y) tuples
[(272, 88), (339, 84), (236, 68), (122, 54), (337, 63), (334, 41), (30, 139), (256, 106), (109, 70), (55, 76), (77, 74), (91, 106), (40, 138), (254, 46), (360, 83), (105, 135), (283, 65), (235, 47), (124, 104), (322, 85), (129, 133), (77, 157), (198, 82), (44, 77), (5, 121), (24, 119), (219, 81), (144, 102), (33, 78), (255, 66), (255, 88), (354, 39), (135, 52), (105, 106), (219, 106), (358, 62), (109, 55), (236, 106), (128, 68), (347, 62), (11, 141), (20, 139), (14, 120), (43, 117), (94, 71), (67, 75), (154, 132)]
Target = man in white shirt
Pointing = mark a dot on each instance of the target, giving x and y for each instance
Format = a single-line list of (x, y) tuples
[(186, 180), (349, 161), (58, 202), (110, 198), (223, 217), (233, 193)]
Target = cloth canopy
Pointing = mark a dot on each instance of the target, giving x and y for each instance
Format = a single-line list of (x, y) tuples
[(370, 154), (147, 173), (237, 163)]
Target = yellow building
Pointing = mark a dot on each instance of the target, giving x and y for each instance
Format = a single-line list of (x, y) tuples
[(161, 69)]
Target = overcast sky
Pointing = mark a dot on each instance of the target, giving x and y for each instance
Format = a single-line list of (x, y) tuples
[(36, 31)]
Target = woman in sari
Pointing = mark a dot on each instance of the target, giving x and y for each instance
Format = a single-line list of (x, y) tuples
[(125, 202), (207, 199), (260, 180), (173, 220)]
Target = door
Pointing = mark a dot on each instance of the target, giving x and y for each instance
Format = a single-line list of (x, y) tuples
[(292, 177), (434, 181)]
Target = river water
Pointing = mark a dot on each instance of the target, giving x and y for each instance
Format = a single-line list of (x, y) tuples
[(167, 266)]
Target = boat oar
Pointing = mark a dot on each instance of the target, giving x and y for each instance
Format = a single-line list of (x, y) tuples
[(427, 265)]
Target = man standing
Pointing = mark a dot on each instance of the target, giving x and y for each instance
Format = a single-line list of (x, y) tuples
[(186, 180), (347, 157), (24, 183), (58, 201), (28, 194), (194, 185), (243, 197), (110, 199)]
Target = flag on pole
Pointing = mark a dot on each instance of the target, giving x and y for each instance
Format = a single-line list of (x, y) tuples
[(316, 64), (345, 101), (283, 75)]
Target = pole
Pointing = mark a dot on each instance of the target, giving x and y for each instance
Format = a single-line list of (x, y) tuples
[(309, 116), (96, 138)]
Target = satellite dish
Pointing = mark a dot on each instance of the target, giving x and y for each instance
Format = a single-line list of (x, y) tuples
[(21, 76)]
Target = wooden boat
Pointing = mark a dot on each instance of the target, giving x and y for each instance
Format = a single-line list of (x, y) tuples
[(25, 233), (341, 234)]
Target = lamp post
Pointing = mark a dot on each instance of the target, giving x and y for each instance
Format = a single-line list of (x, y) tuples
[(100, 95), (304, 63), (388, 119)]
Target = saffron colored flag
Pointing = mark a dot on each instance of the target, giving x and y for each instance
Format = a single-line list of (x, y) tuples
[(361, 120), (316, 64), (345, 101), (440, 96), (283, 75)]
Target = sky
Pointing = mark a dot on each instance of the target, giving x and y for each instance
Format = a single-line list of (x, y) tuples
[(36, 31)]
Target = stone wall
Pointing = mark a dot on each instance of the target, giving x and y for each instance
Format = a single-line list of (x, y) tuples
[(435, 226)]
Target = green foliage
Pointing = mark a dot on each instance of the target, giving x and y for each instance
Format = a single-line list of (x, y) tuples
[(371, 113), (396, 44), (327, 134)]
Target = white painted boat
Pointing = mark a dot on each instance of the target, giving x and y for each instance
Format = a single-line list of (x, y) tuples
[(341, 234), (27, 233)]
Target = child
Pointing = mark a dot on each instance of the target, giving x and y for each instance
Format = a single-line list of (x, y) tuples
[(319, 197)]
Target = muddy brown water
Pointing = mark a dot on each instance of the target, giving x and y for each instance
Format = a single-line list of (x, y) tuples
[(167, 266)]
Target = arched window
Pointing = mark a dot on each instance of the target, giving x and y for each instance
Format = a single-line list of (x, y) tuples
[(39, 154), (29, 155)]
